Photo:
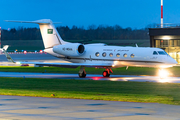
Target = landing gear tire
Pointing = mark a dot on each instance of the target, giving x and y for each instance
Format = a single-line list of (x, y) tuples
[(82, 75), (106, 74), (82, 72)]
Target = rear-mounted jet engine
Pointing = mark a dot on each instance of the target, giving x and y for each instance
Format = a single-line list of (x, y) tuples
[(75, 49)]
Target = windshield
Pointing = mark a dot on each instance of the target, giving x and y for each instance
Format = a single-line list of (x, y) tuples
[(162, 53)]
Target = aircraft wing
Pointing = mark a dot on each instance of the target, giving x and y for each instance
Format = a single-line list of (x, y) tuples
[(67, 65)]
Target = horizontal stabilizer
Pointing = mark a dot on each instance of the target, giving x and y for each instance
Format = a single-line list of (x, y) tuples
[(42, 21)]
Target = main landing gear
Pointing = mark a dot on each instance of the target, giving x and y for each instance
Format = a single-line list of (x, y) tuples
[(107, 72), (82, 72)]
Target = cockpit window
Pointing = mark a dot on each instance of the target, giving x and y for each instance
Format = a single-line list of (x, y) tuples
[(155, 53), (162, 53)]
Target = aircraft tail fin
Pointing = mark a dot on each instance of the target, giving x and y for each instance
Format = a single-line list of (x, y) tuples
[(49, 33)]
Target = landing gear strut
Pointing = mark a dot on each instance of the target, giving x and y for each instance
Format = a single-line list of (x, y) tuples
[(82, 72), (107, 72)]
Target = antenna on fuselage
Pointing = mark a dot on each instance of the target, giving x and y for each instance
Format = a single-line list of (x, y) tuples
[(136, 45)]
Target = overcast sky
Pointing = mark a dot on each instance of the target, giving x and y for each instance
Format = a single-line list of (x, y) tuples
[(126, 13)]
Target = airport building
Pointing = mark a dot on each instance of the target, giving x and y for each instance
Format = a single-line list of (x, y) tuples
[(166, 38)]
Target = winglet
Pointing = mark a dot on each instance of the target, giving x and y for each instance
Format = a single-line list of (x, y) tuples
[(4, 48), (7, 55)]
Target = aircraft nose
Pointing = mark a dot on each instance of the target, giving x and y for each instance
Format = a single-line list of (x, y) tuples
[(172, 61)]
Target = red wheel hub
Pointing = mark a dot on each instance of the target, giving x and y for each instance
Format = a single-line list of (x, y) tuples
[(104, 74)]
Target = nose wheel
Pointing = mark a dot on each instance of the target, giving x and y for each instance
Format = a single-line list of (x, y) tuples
[(82, 75), (107, 72), (82, 72)]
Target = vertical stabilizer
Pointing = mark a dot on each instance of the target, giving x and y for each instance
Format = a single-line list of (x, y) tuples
[(49, 33)]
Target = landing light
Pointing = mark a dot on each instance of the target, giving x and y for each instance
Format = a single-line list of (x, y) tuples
[(164, 76), (163, 73)]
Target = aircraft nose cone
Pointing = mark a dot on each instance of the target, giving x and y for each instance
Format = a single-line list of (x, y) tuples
[(172, 61)]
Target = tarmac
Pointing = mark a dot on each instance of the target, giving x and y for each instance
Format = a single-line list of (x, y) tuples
[(36, 108), (134, 78)]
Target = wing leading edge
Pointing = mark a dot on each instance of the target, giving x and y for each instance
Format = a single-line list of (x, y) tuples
[(68, 65)]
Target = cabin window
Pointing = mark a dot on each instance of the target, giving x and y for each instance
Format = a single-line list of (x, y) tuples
[(104, 54), (125, 55), (155, 53), (110, 54), (97, 54), (117, 55), (132, 55)]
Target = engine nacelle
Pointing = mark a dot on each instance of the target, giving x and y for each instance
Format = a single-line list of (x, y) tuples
[(70, 49)]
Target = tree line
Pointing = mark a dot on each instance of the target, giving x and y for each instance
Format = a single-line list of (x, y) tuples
[(101, 32)]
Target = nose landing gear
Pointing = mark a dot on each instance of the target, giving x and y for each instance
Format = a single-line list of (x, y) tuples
[(82, 72)]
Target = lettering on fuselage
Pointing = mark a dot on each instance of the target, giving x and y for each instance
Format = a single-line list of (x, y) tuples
[(107, 49), (68, 49), (153, 58), (123, 50), (115, 50)]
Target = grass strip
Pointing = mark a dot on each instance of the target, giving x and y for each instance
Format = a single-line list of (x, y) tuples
[(166, 93)]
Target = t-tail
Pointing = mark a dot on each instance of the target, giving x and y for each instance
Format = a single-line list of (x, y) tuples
[(49, 33)]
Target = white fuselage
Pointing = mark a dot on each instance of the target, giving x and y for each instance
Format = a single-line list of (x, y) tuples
[(121, 56)]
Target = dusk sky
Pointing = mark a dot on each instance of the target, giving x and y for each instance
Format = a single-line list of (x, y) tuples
[(126, 13)]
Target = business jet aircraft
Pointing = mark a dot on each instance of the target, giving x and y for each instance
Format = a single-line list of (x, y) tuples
[(96, 55)]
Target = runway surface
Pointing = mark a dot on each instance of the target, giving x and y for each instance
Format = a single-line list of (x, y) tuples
[(35, 108), (91, 77)]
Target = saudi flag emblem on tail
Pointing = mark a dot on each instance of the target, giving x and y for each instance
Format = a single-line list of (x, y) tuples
[(50, 31)]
